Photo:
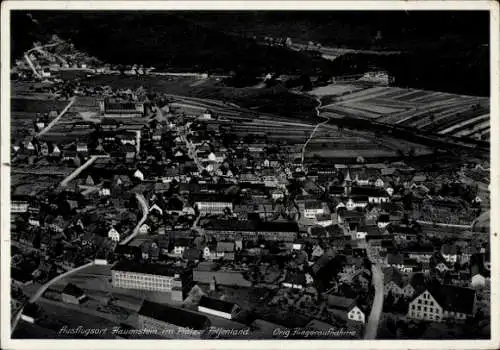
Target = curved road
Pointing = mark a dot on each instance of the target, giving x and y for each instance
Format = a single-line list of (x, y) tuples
[(145, 210), (371, 327), (42, 290)]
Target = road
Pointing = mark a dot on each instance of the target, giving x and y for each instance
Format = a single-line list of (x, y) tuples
[(371, 327), (145, 210), (81, 168), (192, 153), (54, 122), (42, 290)]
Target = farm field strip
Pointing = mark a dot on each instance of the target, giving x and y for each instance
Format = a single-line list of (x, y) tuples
[(349, 110), (410, 97), (465, 124), (374, 108), (452, 119), (478, 127), (430, 108), (382, 101), (422, 123)]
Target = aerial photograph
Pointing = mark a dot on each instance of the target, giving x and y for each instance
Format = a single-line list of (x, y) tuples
[(250, 175)]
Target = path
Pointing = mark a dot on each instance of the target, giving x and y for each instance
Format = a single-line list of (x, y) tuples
[(54, 122), (82, 167), (42, 290), (371, 326), (314, 130), (145, 210)]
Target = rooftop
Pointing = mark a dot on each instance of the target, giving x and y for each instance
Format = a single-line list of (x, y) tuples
[(173, 315)]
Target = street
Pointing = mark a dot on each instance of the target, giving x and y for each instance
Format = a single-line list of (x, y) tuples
[(371, 327)]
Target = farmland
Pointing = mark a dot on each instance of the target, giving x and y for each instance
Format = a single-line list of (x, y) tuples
[(428, 111)]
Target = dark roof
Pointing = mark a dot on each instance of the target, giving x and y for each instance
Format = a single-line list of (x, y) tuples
[(278, 226), (211, 197), (395, 259), (340, 303), (152, 269), (216, 304), (73, 290), (368, 191), (452, 298), (173, 315), (231, 225)]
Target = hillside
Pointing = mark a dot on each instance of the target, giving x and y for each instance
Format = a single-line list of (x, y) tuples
[(441, 51)]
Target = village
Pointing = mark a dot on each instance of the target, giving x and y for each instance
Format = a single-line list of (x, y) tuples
[(163, 205)]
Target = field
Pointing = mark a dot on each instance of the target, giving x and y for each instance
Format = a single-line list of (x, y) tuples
[(434, 112)]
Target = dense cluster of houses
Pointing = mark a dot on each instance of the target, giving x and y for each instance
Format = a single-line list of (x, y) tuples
[(215, 207)]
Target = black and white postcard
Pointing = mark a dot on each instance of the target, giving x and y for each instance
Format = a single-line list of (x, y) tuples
[(230, 174)]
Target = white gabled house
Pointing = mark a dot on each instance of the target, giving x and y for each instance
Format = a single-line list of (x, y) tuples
[(139, 175), (113, 234)]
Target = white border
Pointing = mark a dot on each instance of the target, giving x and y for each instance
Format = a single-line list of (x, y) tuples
[(7, 343)]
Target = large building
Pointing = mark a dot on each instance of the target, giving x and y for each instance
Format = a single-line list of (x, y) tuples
[(172, 322), (443, 303), (208, 203), (121, 109), (152, 277), (252, 230)]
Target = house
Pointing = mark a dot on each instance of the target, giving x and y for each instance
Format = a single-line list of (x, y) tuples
[(449, 253), (81, 148), (217, 307), (139, 175), (180, 246), (313, 208), (155, 208), (393, 281), (479, 276), (71, 294), (113, 234), (345, 308), (294, 280), (209, 253), (19, 204), (383, 221), (164, 318), (399, 261), (379, 183), (144, 229), (443, 303), (225, 250), (34, 221)]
